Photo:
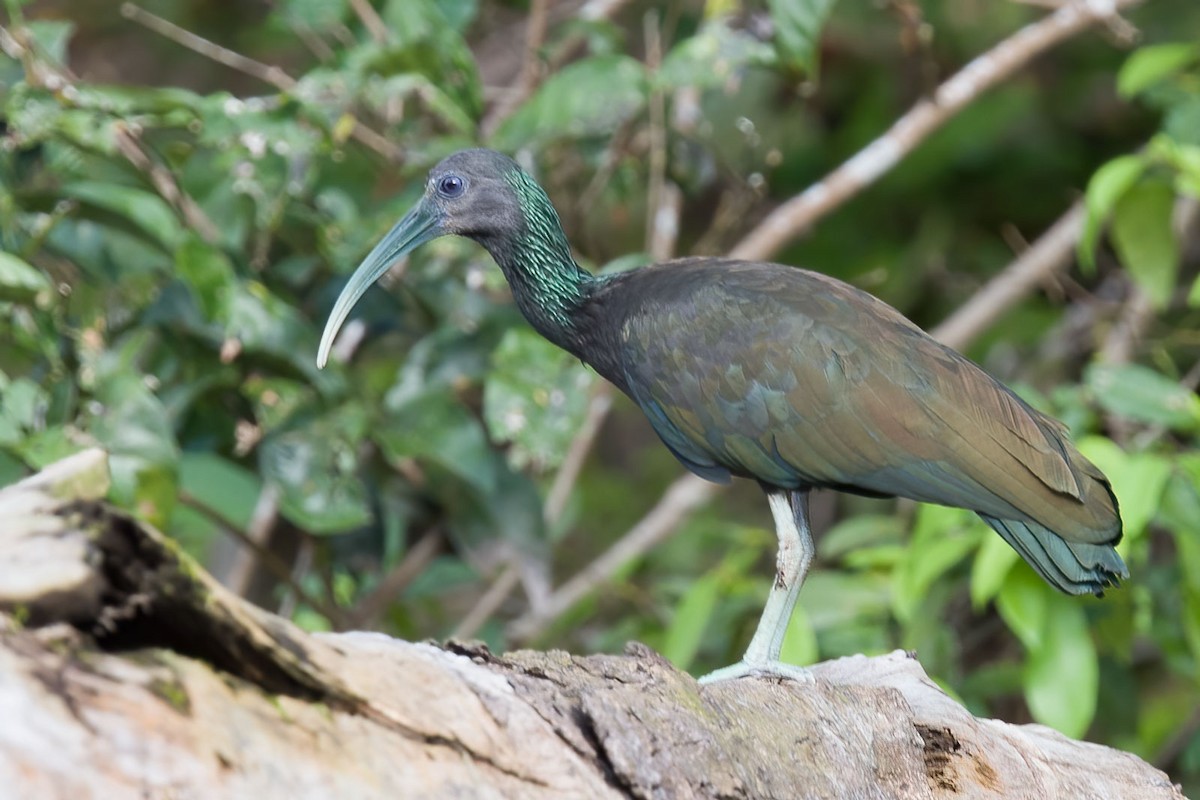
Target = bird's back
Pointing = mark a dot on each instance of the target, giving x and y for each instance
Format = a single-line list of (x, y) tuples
[(799, 380)]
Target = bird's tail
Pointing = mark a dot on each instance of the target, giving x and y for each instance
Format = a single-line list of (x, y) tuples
[(1072, 567)]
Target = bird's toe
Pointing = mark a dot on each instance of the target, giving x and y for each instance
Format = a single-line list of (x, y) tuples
[(763, 669)]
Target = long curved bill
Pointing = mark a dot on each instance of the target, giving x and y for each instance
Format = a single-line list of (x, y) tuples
[(417, 227)]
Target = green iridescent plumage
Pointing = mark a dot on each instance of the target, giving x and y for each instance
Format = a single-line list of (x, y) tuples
[(784, 376)]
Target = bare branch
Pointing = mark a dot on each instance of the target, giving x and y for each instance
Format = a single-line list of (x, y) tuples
[(368, 609), (800, 213), (509, 100), (130, 146), (371, 20), (529, 76), (682, 498), (560, 490), (664, 201), (262, 522), (491, 600), (198, 44), (300, 567)]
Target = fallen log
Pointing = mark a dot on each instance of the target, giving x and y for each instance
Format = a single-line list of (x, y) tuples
[(127, 671)]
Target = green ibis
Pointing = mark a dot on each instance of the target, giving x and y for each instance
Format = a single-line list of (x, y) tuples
[(784, 376)]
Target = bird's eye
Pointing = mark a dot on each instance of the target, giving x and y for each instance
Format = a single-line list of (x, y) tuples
[(451, 186)]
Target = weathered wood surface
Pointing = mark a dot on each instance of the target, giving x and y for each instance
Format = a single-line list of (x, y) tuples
[(127, 672)]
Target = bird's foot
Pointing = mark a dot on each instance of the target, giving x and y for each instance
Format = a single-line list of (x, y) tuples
[(763, 669)]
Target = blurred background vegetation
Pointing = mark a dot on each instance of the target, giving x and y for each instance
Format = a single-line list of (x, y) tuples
[(186, 184)]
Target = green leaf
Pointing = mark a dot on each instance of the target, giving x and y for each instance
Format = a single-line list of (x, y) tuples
[(11, 470), (800, 642), (1140, 393), (994, 561), (384, 94), (263, 322), (222, 485), (536, 397), (691, 619), (1107, 186), (435, 427), (1154, 63), (146, 211), (798, 26), (52, 37), (312, 14), (1184, 158), (711, 57), (857, 532), (1144, 239), (942, 538), (1022, 604), (43, 448), (1063, 673), (206, 270), (1193, 298), (315, 465), (1181, 514), (133, 426), (588, 98), (20, 282), (1137, 480), (275, 400)]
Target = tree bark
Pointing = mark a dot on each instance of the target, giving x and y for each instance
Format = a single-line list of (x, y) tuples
[(126, 671)]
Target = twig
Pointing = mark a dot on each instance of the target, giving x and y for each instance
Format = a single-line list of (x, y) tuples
[(262, 522), (663, 201), (916, 38), (528, 76), (1177, 742), (799, 214), (1052, 252), (222, 55), (1136, 313), (491, 600), (267, 73), (1138, 310), (510, 99), (394, 582), (300, 568), (130, 146), (273, 563), (560, 490), (313, 41), (371, 20)]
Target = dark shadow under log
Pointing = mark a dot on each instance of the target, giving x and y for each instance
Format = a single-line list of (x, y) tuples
[(126, 671)]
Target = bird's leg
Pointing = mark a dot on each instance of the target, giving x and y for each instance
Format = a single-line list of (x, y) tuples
[(790, 510)]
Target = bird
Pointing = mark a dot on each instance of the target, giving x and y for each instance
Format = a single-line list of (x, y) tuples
[(780, 375)]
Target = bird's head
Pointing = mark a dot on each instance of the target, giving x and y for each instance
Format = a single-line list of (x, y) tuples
[(473, 193)]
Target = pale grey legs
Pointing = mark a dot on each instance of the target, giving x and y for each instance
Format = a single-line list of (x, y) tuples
[(790, 510)]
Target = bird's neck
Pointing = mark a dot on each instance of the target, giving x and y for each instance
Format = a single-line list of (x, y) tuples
[(549, 288)]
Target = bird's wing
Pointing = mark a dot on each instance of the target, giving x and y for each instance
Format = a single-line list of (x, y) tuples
[(796, 379)]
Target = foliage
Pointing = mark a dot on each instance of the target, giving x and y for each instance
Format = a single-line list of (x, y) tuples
[(166, 306)]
